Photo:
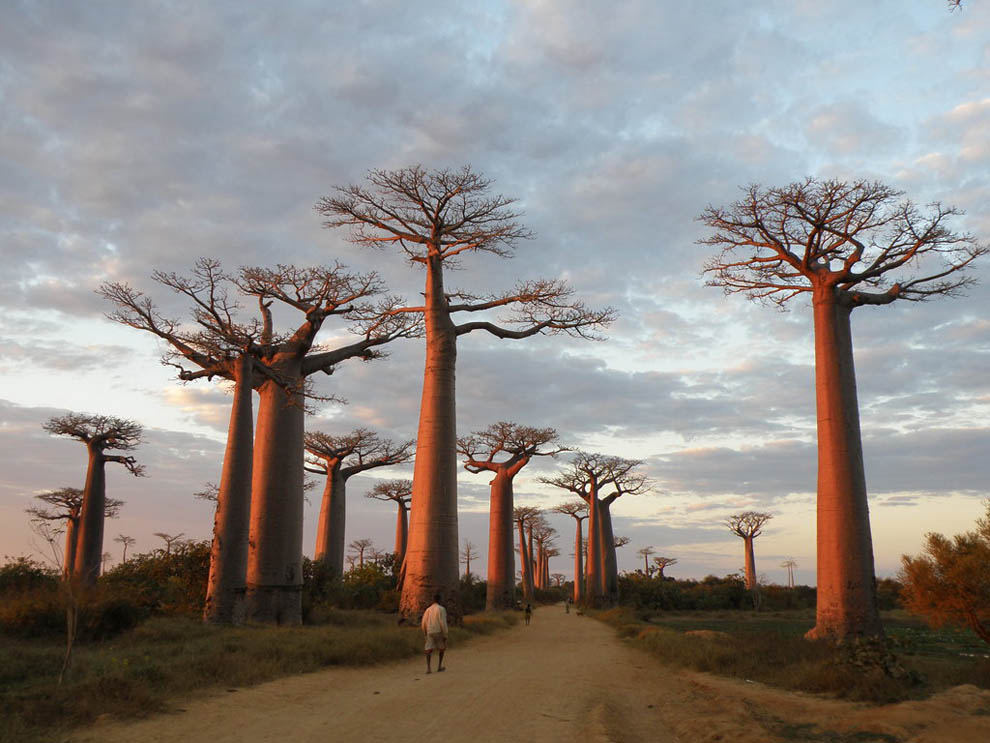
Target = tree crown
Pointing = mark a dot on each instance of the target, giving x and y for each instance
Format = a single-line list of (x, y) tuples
[(101, 433), (399, 491), (355, 452), (748, 524)]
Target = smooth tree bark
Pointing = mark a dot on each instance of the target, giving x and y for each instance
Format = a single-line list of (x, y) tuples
[(578, 510), (522, 516), (843, 245), (503, 449), (339, 458), (748, 525), (65, 504), (400, 493), (101, 434), (437, 218)]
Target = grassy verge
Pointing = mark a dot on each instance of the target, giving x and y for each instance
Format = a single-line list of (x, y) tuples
[(915, 662), (138, 672)]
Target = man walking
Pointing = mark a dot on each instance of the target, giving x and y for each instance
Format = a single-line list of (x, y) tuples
[(434, 626)]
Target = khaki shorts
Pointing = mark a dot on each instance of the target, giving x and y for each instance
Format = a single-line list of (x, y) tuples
[(436, 642)]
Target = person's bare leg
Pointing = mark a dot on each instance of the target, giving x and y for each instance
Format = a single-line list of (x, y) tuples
[(429, 661), (440, 666)]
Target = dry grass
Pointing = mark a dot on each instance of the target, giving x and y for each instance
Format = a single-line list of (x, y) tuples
[(138, 672)]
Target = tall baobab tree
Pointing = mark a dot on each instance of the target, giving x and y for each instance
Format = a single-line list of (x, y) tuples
[(438, 218), (543, 534), (790, 564), (662, 563), (558, 579), (504, 449), (523, 516), (65, 504), (169, 539), (843, 245), (400, 493), (468, 553), (339, 458), (578, 510), (359, 547), (101, 434), (748, 525), (127, 542), (645, 553)]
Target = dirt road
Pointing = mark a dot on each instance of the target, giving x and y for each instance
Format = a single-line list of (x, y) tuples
[(563, 678)]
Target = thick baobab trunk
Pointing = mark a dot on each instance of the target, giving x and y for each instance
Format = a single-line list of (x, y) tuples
[(847, 602), (401, 532), (274, 574), (228, 553), (593, 569), (750, 564), (432, 552), (89, 539), (530, 558), (500, 592), (525, 568), (610, 565), (330, 528), (71, 534), (578, 565)]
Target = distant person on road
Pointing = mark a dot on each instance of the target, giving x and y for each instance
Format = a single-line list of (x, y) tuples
[(434, 626), (529, 613), (567, 605)]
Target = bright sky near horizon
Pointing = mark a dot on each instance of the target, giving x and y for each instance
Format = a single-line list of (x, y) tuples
[(139, 136)]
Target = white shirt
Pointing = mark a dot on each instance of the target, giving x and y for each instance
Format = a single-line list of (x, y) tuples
[(435, 620)]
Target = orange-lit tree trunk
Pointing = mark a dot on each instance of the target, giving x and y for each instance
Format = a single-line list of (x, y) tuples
[(847, 600), (500, 592), (89, 542), (610, 564), (593, 579), (578, 564), (525, 568), (71, 538), (750, 563), (431, 564), (228, 554), (274, 573), (330, 540), (402, 532)]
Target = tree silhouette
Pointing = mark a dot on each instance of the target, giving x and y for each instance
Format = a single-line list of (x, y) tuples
[(65, 504), (578, 510), (400, 493), (662, 563), (645, 553), (748, 525), (843, 245), (523, 517), (101, 434), (790, 564), (169, 539), (127, 542), (437, 219), (359, 547), (339, 458), (950, 582), (503, 449), (468, 553)]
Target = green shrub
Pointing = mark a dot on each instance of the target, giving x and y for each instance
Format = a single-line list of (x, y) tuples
[(163, 582), (25, 574)]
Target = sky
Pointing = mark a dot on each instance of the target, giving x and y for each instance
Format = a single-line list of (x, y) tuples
[(137, 137)]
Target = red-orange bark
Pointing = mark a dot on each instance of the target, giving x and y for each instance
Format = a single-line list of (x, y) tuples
[(500, 591)]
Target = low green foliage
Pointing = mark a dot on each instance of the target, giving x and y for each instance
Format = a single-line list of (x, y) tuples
[(913, 662)]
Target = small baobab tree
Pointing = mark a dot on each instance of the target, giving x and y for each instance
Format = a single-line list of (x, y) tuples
[(503, 449), (558, 579), (358, 548), (468, 553), (400, 493), (101, 434), (543, 535), (662, 563), (65, 504), (438, 218), (645, 553), (126, 541), (842, 245), (790, 564), (748, 525), (578, 510), (169, 539), (338, 458), (523, 516)]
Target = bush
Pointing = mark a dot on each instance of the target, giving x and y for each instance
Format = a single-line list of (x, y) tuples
[(24, 574), (163, 582)]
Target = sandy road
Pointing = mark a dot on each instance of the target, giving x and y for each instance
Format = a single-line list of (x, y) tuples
[(564, 678)]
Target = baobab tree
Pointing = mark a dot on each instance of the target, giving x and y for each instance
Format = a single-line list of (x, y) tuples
[(339, 458), (503, 449), (65, 504), (468, 553), (843, 245), (558, 579), (523, 516), (748, 525), (359, 547), (127, 542), (400, 493), (169, 539), (662, 563), (543, 534), (645, 553), (101, 434), (578, 510), (790, 564), (438, 218)]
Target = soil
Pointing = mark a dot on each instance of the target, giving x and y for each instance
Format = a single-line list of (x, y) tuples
[(563, 678)]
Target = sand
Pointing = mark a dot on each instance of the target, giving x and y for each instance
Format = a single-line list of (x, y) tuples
[(563, 678)]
